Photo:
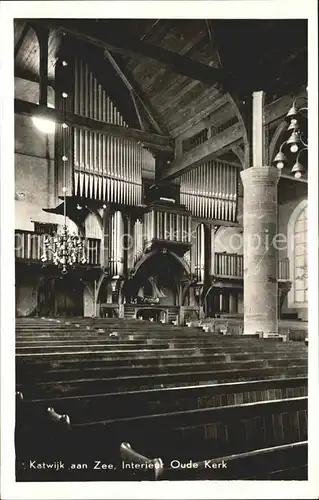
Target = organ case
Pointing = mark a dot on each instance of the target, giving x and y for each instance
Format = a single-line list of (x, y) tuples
[(210, 191), (100, 166)]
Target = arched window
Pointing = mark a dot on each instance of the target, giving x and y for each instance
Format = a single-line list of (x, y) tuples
[(298, 255), (300, 260)]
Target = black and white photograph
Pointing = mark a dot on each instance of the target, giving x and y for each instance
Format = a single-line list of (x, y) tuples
[(160, 307)]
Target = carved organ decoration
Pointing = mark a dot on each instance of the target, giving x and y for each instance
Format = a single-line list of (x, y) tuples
[(210, 191), (105, 168), (158, 293)]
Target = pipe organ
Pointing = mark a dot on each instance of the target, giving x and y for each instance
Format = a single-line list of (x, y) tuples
[(106, 168), (210, 191), (116, 245), (200, 253), (164, 224), (110, 170)]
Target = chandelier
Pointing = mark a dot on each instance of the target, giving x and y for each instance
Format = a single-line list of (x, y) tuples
[(65, 249), (294, 148)]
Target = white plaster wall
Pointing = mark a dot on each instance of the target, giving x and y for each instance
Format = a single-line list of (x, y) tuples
[(34, 164)]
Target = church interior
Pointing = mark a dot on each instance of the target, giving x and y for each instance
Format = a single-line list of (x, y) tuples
[(160, 249)]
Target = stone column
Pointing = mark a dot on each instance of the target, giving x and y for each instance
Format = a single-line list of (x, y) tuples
[(260, 254)]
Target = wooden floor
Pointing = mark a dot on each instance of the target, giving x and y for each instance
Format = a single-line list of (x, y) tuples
[(171, 392)]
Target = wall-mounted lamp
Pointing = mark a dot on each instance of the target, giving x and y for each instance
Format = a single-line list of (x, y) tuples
[(44, 125)]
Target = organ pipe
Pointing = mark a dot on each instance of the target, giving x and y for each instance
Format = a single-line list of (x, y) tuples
[(105, 168), (160, 224), (138, 239), (200, 252), (117, 247), (210, 190)]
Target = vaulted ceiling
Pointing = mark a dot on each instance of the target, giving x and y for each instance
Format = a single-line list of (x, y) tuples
[(159, 58), (171, 76)]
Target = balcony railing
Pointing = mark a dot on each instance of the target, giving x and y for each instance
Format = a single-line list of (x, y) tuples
[(229, 264), (232, 266), (29, 246), (283, 269)]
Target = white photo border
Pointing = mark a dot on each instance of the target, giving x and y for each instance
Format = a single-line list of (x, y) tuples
[(236, 9)]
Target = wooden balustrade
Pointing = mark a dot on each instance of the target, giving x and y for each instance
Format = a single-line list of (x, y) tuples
[(30, 246), (93, 251), (232, 266), (229, 264), (283, 269)]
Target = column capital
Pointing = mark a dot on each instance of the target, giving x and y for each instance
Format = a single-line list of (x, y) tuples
[(258, 175)]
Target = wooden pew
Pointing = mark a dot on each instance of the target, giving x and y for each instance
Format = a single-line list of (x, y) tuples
[(46, 347), (297, 335), (26, 366), (144, 402), (228, 429), (137, 467), (219, 430), (185, 436), (284, 462), (121, 370), (78, 387), (161, 351), (54, 345)]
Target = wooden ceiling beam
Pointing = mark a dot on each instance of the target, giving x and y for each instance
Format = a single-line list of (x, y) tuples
[(19, 43), (279, 108), (204, 151), (189, 103), (172, 100), (159, 76), (154, 141), (134, 87), (31, 77), (130, 46), (199, 116)]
